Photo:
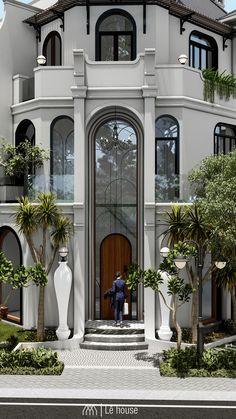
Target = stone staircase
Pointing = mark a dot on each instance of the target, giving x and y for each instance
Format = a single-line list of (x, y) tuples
[(102, 335)]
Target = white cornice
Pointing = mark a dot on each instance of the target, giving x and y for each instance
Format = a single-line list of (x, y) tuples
[(42, 103), (195, 104)]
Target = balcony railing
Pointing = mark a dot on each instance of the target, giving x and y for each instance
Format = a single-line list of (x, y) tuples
[(175, 188), (61, 185)]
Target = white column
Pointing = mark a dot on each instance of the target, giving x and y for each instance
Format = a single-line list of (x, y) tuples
[(225, 303), (79, 95), (149, 94)]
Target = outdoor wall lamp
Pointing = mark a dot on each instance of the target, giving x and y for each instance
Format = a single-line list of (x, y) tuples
[(183, 58), (63, 252), (41, 60), (164, 252)]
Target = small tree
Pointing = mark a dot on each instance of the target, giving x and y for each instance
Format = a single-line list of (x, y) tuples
[(22, 159), (214, 185), (15, 279), (152, 278), (43, 221), (188, 230)]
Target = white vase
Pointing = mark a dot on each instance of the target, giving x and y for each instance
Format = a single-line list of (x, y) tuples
[(62, 283), (164, 332)]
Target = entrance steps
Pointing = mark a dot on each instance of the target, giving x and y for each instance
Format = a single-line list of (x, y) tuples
[(103, 335)]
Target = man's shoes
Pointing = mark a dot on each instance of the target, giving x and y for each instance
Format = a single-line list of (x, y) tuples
[(121, 324)]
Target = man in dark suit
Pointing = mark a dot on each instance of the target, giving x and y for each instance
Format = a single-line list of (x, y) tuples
[(118, 290)]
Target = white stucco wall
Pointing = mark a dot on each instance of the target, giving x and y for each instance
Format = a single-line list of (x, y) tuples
[(17, 51)]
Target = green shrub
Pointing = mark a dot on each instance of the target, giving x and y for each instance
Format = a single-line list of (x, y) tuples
[(181, 359), (229, 326), (214, 363), (40, 359)]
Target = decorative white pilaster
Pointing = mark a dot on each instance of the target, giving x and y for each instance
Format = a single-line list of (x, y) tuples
[(79, 94), (149, 95), (62, 283)]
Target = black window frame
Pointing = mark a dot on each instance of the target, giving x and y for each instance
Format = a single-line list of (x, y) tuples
[(177, 146), (52, 35), (222, 137), (115, 35), (213, 49)]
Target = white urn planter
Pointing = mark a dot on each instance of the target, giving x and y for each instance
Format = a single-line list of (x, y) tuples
[(62, 283), (164, 332)]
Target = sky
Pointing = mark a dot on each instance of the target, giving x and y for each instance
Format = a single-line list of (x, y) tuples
[(229, 5)]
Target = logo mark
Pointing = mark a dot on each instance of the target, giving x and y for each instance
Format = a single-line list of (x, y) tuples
[(89, 410)]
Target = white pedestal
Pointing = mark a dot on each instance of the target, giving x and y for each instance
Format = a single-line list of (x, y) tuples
[(62, 282), (164, 332)]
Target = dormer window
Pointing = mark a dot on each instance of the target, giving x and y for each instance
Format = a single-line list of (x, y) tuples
[(52, 49), (115, 37), (203, 51)]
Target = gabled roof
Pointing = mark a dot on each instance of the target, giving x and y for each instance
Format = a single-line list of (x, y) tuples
[(175, 8)]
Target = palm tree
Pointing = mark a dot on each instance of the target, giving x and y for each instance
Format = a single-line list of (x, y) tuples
[(44, 220), (189, 225)]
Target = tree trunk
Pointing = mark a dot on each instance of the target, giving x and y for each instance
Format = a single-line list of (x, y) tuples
[(177, 326), (233, 299), (194, 311), (40, 326)]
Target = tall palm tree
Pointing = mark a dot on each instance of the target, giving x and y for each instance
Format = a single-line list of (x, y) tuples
[(44, 220)]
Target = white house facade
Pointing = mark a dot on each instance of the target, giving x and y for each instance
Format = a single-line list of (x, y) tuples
[(124, 121)]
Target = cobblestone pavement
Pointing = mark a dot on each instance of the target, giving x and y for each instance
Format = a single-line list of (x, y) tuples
[(116, 374)]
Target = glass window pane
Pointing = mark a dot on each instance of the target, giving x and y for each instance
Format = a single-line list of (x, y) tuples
[(166, 127), (115, 188), (203, 58), (124, 47), (57, 51), (200, 40), (196, 57), (107, 47), (116, 23)]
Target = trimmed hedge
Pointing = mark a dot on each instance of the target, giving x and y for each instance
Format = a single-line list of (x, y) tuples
[(215, 362), (38, 361)]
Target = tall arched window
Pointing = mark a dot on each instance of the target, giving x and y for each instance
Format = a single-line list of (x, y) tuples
[(62, 157), (167, 159), (115, 36), (203, 51), (52, 49), (224, 138)]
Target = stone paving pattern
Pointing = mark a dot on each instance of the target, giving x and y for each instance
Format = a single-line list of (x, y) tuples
[(119, 374)]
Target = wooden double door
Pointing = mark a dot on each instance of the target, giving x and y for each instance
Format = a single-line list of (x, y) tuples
[(115, 256)]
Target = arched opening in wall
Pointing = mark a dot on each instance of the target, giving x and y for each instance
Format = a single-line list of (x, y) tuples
[(224, 138), (203, 51), (62, 158), (24, 132), (115, 207), (10, 246), (115, 36), (52, 49)]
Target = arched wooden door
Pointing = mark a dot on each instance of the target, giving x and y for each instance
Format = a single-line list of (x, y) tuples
[(115, 255)]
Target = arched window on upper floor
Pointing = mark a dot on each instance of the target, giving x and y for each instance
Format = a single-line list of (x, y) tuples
[(203, 51), (115, 36), (224, 138), (167, 159), (52, 49), (62, 157)]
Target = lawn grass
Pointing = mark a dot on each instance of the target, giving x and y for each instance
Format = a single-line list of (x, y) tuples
[(6, 330)]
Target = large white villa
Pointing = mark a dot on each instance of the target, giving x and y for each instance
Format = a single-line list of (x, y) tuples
[(125, 122)]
